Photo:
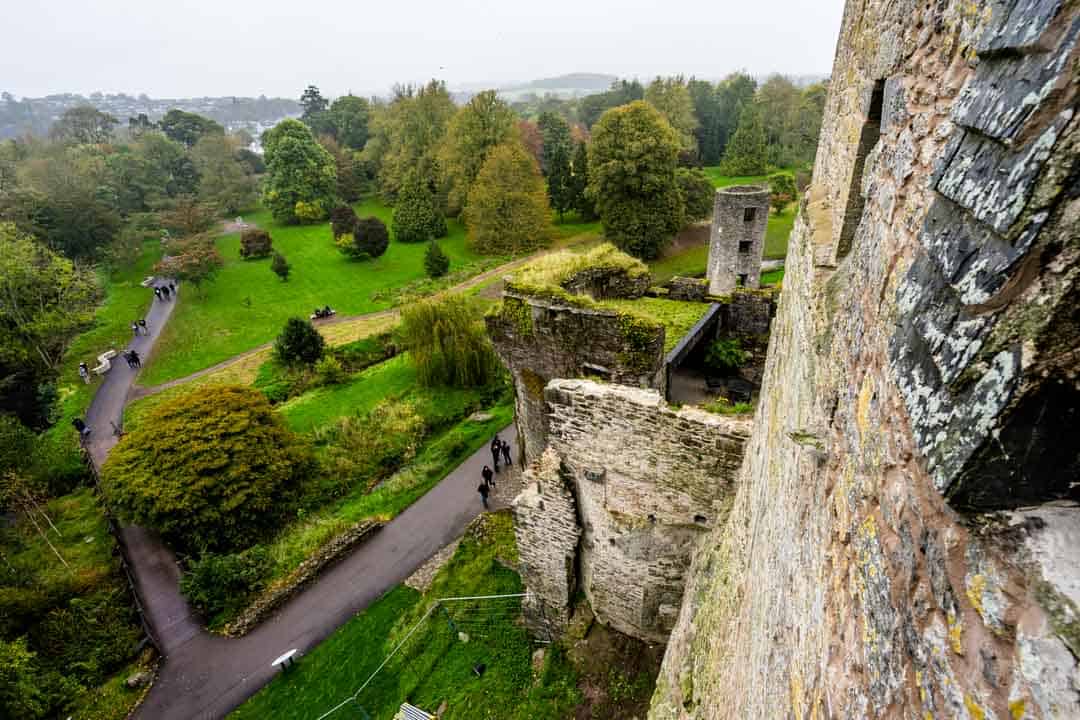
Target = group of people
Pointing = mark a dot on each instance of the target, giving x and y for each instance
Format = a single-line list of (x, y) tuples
[(325, 312), (138, 327), (133, 359), (500, 449), (163, 292)]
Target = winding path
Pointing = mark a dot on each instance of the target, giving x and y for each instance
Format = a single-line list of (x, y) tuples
[(206, 676)]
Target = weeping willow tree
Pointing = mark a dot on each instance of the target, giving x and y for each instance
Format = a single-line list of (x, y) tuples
[(448, 344)]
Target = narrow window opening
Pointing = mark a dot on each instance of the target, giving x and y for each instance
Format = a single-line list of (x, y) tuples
[(741, 282), (748, 214), (700, 519), (744, 246), (871, 131)]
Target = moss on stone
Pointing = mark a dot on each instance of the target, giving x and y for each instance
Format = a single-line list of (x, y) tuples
[(1063, 613), (549, 273), (518, 313), (534, 384)]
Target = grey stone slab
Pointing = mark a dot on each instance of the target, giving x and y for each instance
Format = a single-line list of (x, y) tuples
[(1016, 24)]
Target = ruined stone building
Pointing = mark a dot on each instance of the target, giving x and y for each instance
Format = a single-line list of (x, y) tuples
[(737, 238), (903, 539)]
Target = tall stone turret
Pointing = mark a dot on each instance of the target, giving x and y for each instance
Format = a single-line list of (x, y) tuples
[(737, 238)]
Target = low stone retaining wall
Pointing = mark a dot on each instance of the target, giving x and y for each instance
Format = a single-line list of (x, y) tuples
[(276, 595)]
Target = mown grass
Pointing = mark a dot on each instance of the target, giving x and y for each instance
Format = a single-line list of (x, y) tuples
[(247, 305), (772, 277), (434, 666), (720, 180)]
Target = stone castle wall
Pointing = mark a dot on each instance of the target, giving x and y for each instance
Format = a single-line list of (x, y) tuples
[(539, 339), (647, 480), (737, 238), (920, 385)]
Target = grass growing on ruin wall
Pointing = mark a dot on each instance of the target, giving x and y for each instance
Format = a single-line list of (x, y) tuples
[(547, 274), (676, 316)]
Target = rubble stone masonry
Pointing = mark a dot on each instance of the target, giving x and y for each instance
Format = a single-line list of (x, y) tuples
[(902, 541)]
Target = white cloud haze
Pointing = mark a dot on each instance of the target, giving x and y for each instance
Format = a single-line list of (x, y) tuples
[(186, 48)]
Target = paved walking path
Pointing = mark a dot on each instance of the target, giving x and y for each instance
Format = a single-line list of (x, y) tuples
[(206, 676)]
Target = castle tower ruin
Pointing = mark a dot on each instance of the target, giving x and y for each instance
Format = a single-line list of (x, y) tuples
[(737, 238)]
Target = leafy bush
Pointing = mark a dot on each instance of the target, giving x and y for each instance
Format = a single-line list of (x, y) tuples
[(216, 583), (448, 344), (215, 469), (328, 371), (280, 266), (309, 212), (370, 447), (370, 238), (436, 263), (21, 684), (342, 220), (726, 355), (299, 343), (255, 243), (697, 191), (781, 190)]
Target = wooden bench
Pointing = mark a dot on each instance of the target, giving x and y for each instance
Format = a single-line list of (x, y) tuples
[(104, 362)]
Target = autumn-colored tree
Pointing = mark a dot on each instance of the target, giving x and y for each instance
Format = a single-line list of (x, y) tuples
[(215, 469), (781, 190), (196, 261), (477, 127), (632, 160), (342, 220), (255, 243), (533, 139), (188, 216), (508, 209)]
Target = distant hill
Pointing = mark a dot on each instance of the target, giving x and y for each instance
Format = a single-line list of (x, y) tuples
[(570, 85)]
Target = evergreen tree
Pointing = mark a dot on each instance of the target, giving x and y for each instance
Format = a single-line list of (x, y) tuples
[(299, 343), (280, 267), (579, 182), (557, 149), (436, 263), (698, 193), (632, 160), (508, 210), (746, 154), (417, 217), (342, 220), (710, 132), (301, 177), (369, 239)]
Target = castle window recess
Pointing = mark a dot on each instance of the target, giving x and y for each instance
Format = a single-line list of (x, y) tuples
[(594, 474), (700, 519), (871, 131), (748, 214), (745, 245), (742, 279)]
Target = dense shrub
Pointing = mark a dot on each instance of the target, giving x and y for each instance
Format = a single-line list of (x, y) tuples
[(328, 371), (417, 215), (280, 267), (21, 682), (216, 583), (369, 239), (255, 243), (726, 355), (342, 220), (697, 191), (370, 447), (508, 209), (299, 343), (213, 470), (781, 190), (448, 344), (436, 263)]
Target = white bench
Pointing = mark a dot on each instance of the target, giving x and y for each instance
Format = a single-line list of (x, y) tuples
[(148, 281), (104, 362), (285, 661)]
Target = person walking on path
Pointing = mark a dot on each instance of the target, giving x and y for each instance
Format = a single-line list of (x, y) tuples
[(506, 454), (79, 425), (496, 447), (133, 359), (489, 477), (84, 373), (127, 357), (142, 326), (165, 291), (172, 287), (483, 490), (135, 329), (157, 292)]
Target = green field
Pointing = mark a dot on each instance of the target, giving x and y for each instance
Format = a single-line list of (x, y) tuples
[(434, 666), (720, 180), (247, 305)]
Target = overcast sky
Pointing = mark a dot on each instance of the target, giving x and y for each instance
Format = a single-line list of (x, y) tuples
[(185, 48)]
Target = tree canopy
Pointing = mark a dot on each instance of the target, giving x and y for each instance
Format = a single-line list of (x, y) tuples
[(632, 160), (417, 216), (84, 125), (746, 153), (698, 193), (481, 124), (448, 343), (299, 343), (188, 128), (508, 208), (300, 174), (213, 470), (672, 98), (45, 300), (558, 149)]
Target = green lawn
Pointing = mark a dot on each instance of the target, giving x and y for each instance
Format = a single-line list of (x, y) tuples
[(434, 666), (247, 305), (720, 180)]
